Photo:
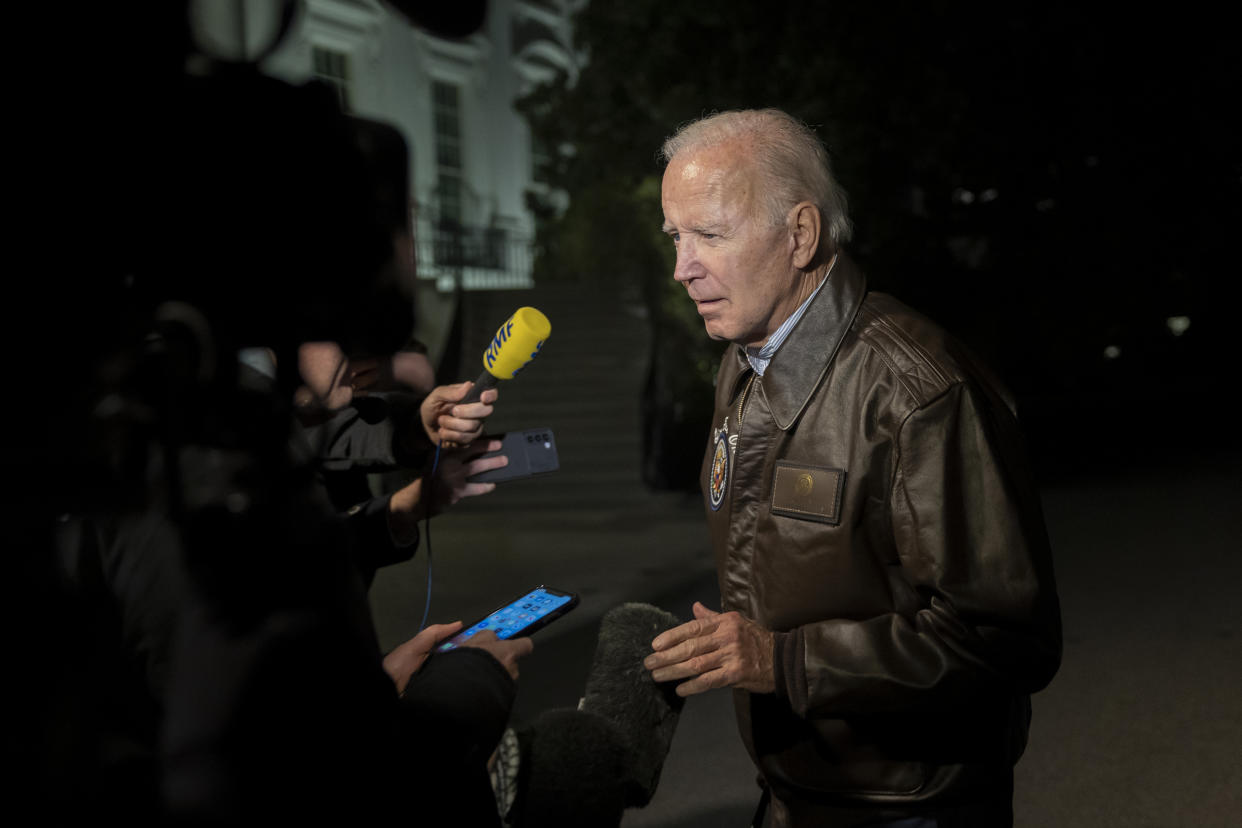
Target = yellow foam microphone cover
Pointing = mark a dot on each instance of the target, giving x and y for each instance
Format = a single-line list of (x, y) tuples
[(516, 343)]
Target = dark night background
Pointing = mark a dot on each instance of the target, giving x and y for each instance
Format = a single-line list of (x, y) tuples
[(1048, 180)]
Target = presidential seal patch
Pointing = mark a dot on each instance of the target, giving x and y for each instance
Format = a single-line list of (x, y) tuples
[(720, 468)]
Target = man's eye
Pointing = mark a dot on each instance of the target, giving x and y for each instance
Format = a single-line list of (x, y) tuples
[(676, 237)]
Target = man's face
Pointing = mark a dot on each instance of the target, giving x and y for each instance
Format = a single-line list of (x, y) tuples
[(734, 264), (326, 374)]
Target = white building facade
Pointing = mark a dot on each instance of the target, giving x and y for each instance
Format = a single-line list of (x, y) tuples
[(472, 160)]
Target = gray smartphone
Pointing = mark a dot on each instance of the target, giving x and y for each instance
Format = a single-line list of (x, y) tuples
[(531, 451)]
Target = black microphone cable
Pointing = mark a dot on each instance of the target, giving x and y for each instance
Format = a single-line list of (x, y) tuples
[(435, 462)]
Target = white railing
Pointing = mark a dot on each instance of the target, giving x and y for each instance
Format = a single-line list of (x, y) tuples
[(474, 257)]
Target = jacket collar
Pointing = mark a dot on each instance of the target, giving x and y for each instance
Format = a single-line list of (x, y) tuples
[(800, 364)]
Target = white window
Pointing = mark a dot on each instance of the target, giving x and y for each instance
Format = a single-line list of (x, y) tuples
[(447, 108), (332, 67)]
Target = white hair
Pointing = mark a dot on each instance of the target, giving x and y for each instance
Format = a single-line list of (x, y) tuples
[(789, 157)]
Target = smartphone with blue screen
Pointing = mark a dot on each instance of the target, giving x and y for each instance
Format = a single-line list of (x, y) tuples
[(523, 616)]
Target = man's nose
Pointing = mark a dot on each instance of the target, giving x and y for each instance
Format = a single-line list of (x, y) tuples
[(688, 266)]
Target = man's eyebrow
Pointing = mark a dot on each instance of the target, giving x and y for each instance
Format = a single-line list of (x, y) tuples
[(711, 228)]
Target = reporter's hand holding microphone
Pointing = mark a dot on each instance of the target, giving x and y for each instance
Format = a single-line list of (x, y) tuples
[(453, 415)]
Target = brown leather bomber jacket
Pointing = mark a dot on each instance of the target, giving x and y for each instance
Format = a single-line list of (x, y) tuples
[(869, 501)]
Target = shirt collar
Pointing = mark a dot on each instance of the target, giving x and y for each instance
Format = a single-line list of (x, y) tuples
[(761, 356)]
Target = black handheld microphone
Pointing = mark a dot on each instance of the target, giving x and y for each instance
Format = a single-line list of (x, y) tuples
[(515, 344)]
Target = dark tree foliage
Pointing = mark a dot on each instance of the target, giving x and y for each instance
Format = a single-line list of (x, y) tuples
[(1046, 179)]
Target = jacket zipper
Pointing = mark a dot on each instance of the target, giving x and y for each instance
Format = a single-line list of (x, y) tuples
[(741, 401)]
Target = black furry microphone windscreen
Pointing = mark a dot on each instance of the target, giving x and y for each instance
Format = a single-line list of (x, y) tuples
[(621, 690), (586, 766)]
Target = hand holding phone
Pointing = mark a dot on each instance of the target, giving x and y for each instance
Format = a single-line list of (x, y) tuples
[(508, 651), (521, 617)]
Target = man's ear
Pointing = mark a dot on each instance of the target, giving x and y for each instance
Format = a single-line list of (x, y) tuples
[(804, 230)]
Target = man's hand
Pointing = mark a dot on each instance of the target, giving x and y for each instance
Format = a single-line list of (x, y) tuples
[(411, 503), (446, 421), (714, 650), (405, 659), (507, 650), (456, 467)]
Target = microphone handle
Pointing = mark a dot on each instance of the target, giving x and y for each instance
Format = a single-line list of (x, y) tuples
[(485, 381)]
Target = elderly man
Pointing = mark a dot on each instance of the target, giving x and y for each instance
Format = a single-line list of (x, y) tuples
[(887, 587)]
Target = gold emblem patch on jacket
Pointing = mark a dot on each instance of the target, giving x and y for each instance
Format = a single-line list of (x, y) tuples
[(807, 492), (719, 481)]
